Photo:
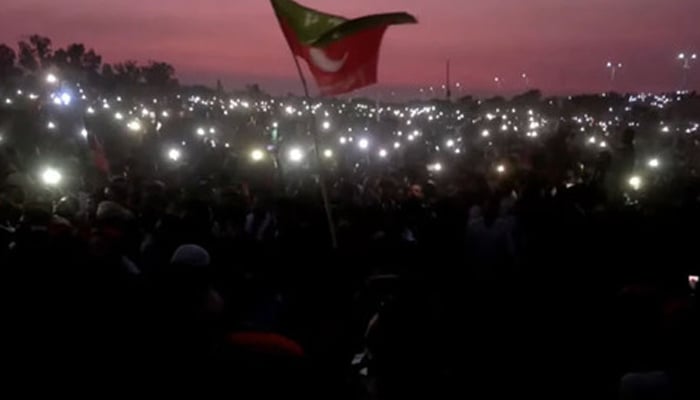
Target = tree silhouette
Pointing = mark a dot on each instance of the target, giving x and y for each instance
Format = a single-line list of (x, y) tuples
[(91, 61), (26, 57), (60, 59), (530, 97), (75, 53), (159, 75), (108, 78), (8, 57), (76, 63), (36, 53), (41, 46), (127, 73)]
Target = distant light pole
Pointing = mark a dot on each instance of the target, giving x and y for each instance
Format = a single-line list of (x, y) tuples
[(526, 80), (687, 60), (499, 82), (613, 67)]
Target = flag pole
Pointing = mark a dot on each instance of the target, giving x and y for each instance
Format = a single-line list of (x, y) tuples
[(319, 168)]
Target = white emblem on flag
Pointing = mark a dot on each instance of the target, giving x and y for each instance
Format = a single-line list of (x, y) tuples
[(325, 64)]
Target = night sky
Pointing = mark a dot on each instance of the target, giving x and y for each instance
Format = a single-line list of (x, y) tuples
[(561, 44)]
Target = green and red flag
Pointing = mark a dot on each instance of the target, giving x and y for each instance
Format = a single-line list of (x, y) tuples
[(342, 54)]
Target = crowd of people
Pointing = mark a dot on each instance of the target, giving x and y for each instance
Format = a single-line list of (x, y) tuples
[(484, 248)]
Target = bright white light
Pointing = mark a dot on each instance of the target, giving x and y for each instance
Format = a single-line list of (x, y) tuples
[(174, 154), (119, 116), (66, 99), (363, 144), (382, 153), (328, 153), (501, 168), (289, 110), (603, 145), (450, 143), (591, 140), (326, 125), (665, 129), (437, 167), (134, 125), (200, 131), (227, 145), (83, 133), (165, 114), (635, 182), (90, 110), (534, 125), (397, 145), (212, 130), (653, 163), (295, 154), (504, 127), (51, 78), (343, 140), (485, 133), (51, 125), (410, 138), (51, 176), (257, 155)]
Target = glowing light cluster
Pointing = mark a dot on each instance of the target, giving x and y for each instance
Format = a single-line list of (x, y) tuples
[(51, 176)]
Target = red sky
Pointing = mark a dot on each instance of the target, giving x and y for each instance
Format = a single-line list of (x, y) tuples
[(561, 44)]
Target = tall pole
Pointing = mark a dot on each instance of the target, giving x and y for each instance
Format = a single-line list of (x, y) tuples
[(526, 80), (448, 92), (613, 67), (686, 59), (319, 169), (498, 82)]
